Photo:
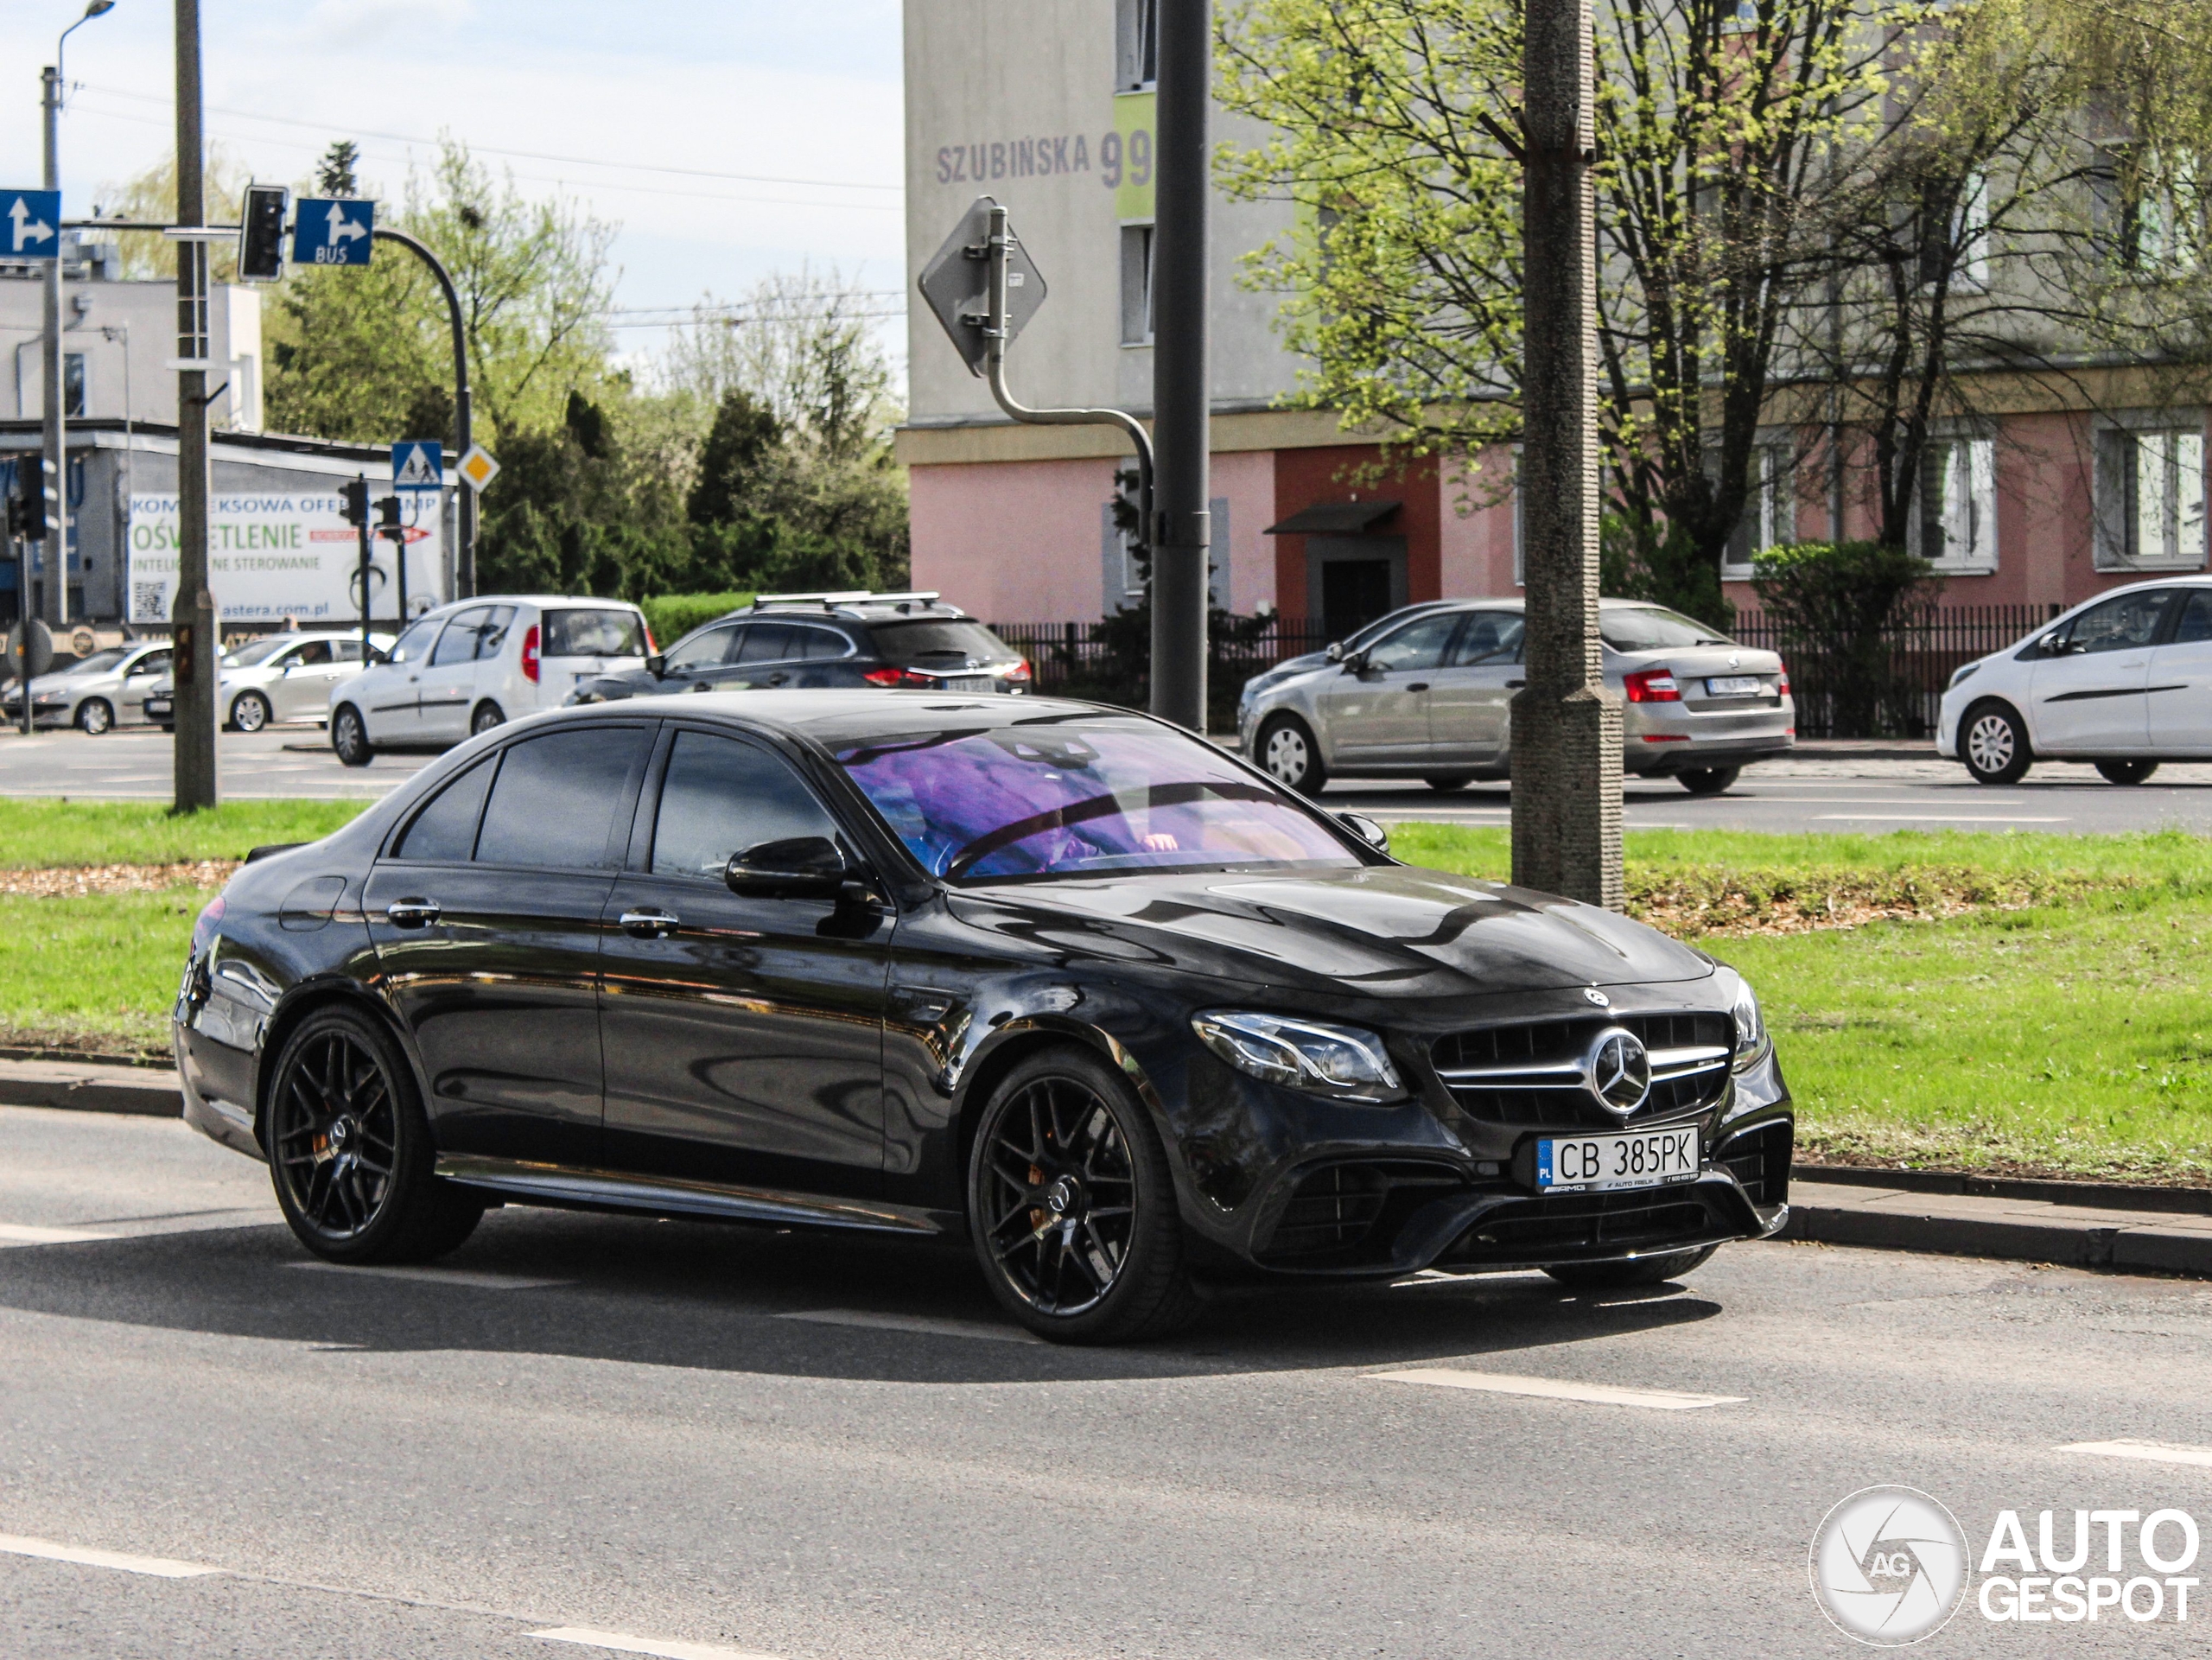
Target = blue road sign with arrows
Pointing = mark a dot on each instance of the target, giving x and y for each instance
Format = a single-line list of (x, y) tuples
[(418, 464), (326, 233), (30, 222)]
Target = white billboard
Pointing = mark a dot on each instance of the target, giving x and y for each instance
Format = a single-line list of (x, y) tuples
[(271, 556)]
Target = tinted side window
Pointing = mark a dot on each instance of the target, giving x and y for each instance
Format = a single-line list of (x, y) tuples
[(446, 829), (721, 796), (813, 643), (764, 642), (2196, 621), (458, 643), (2120, 625), (555, 797), (702, 650)]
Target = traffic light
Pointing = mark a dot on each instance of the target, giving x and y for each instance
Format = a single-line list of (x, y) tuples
[(26, 506), (355, 495), (261, 233), (388, 525)]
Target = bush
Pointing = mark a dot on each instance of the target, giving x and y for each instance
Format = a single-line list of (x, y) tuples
[(671, 616), (1833, 604)]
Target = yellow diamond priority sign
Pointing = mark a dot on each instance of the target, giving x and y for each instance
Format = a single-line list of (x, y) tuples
[(477, 467)]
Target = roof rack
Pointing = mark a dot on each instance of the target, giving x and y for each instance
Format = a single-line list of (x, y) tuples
[(857, 596)]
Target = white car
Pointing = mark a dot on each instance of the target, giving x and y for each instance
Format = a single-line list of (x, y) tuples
[(277, 678), (471, 666), (106, 690), (2124, 681)]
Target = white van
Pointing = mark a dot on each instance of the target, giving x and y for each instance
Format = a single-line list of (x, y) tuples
[(466, 667)]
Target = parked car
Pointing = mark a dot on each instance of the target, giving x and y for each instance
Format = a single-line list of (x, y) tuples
[(95, 693), (1432, 699), (791, 641), (1064, 981), (476, 663), (1290, 667), (2123, 681), (286, 677)]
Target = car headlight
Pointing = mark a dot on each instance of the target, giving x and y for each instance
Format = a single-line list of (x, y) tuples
[(1965, 673), (1342, 1062), (49, 697), (1752, 1040)]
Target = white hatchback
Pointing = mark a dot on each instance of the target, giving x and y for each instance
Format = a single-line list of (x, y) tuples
[(468, 666)]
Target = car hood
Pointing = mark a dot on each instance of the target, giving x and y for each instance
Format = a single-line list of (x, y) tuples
[(1389, 931)]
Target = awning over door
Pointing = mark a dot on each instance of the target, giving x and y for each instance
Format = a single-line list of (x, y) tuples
[(1335, 519)]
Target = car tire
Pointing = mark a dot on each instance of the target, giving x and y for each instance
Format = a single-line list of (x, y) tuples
[(487, 716), (350, 1153), (349, 738), (250, 712), (2126, 771), (1446, 785), (1071, 1204), (95, 715), (1288, 752), (1644, 1270), (1707, 780), (1994, 744)]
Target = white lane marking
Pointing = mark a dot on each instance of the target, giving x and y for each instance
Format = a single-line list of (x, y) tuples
[(2155, 1451), (162, 1568), (16, 1234), (1949, 817), (987, 1331), (1553, 1389), (472, 1278), (622, 1643)]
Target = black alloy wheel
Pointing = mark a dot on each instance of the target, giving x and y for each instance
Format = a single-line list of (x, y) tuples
[(1446, 785), (1072, 1208), (487, 716), (1708, 780), (2126, 771), (1288, 752), (95, 715), (1644, 1270), (349, 1149), (1995, 745), (249, 711), (349, 739)]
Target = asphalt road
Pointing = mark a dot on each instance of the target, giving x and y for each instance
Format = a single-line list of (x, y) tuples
[(1855, 794), (663, 1434)]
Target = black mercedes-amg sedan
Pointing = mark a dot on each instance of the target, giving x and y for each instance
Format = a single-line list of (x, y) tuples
[(1064, 980)]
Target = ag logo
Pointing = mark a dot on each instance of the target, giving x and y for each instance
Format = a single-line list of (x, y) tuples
[(1618, 1071), (1889, 1566)]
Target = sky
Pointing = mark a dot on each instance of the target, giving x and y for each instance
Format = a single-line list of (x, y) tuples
[(727, 140)]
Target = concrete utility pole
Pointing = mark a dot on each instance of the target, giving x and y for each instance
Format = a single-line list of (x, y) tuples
[(1567, 725), (1181, 542), (54, 606), (197, 644)]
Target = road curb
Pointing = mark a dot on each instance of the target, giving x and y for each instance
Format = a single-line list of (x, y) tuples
[(2010, 1229), (78, 1086)]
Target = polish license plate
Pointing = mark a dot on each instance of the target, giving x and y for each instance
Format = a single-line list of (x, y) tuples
[(968, 682), (156, 708), (1596, 1164), (1733, 685)]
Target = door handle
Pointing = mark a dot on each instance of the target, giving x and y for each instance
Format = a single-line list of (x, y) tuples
[(1418, 685), (1511, 684), (778, 678), (648, 925), (412, 914)]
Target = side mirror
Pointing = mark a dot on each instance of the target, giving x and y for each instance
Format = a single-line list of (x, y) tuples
[(1336, 651), (1366, 830), (801, 867), (657, 664), (1356, 663)]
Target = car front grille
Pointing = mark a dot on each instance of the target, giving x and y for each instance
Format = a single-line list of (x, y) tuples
[(1343, 1213), (1760, 1159), (1531, 1074), (1531, 1229)]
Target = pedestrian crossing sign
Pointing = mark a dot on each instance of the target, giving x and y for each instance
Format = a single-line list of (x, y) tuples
[(418, 464)]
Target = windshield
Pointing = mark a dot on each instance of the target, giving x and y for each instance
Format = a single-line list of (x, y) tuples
[(411, 645), (1653, 628), (948, 643), (594, 633), (261, 650), (1061, 798), (100, 662)]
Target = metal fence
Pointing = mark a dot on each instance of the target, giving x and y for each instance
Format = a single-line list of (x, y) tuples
[(1891, 687), (1107, 661)]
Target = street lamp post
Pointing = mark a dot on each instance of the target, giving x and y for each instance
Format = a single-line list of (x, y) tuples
[(464, 564), (57, 416), (1182, 540), (1567, 725)]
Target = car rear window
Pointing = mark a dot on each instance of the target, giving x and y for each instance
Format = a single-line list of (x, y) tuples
[(941, 640), (593, 633), (1654, 628)]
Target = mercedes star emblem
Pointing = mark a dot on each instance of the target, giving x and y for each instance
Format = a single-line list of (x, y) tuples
[(1618, 1070), (1593, 995)]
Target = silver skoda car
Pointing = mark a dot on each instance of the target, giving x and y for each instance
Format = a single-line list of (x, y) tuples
[(1431, 698), (277, 677)]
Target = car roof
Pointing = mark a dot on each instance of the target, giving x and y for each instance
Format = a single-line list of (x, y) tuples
[(836, 715), (539, 600)]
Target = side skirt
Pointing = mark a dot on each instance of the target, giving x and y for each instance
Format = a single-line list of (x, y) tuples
[(561, 1185)]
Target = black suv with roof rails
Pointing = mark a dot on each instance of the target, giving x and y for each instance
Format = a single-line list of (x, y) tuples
[(909, 641)]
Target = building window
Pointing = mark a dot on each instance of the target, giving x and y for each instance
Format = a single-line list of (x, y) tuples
[(2149, 214), (1136, 45), (1955, 524), (1954, 233), (1769, 516), (2151, 498), (1136, 285), (73, 383)]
